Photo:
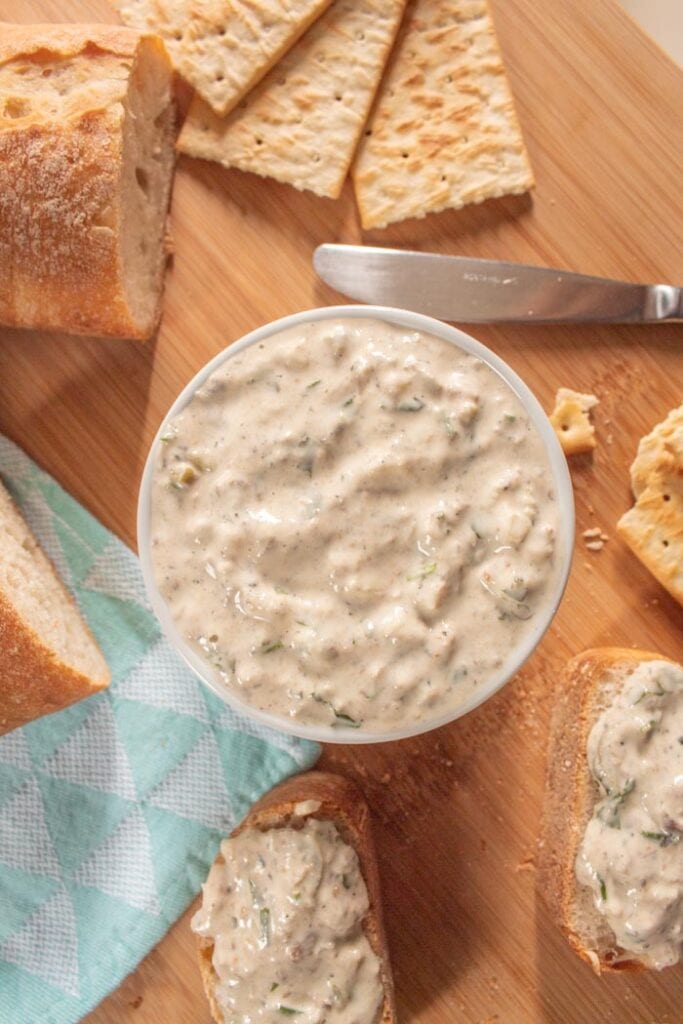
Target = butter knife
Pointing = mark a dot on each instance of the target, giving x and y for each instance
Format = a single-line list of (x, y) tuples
[(488, 291)]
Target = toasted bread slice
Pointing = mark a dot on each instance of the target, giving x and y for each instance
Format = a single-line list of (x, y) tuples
[(588, 685), (342, 803)]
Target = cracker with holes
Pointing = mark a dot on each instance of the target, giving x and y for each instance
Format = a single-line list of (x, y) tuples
[(653, 528), (223, 47), (571, 421), (302, 122), (443, 131)]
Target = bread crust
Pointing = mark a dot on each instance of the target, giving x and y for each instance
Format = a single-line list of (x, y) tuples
[(342, 803), (584, 689), (33, 682), (60, 264)]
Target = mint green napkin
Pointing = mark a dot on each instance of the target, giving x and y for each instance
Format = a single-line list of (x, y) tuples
[(112, 811)]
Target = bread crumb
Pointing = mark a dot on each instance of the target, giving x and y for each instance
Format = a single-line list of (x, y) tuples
[(595, 545), (386, 778), (593, 532)]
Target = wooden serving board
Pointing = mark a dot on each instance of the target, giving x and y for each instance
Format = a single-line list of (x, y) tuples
[(456, 811)]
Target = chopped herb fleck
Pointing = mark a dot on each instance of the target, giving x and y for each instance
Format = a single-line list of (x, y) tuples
[(413, 404), (663, 838), (276, 984), (346, 719), (313, 384), (510, 417), (341, 716), (603, 888), (287, 1010), (426, 570), (349, 401), (609, 812), (346, 881), (659, 692), (268, 646)]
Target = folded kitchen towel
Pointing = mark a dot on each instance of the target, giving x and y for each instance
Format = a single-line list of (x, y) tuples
[(112, 810)]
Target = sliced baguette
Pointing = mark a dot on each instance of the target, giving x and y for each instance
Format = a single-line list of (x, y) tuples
[(588, 685), (341, 803), (86, 161), (48, 657)]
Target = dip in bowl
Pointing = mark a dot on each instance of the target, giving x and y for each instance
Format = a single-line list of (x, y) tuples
[(355, 524)]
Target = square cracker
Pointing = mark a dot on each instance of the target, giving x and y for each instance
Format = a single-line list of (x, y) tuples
[(653, 528), (223, 47), (302, 122), (443, 131)]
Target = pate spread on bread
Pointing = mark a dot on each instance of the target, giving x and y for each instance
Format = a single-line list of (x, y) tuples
[(610, 856), (290, 923)]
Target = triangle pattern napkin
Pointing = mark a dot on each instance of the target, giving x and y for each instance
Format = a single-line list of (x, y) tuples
[(112, 810)]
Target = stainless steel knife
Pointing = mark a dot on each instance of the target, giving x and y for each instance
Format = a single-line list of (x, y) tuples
[(487, 291)]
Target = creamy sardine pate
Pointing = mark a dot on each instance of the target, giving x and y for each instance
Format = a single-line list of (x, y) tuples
[(284, 910), (631, 856), (354, 523)]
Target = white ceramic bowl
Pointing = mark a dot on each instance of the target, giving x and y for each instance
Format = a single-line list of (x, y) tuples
[(565, 539)]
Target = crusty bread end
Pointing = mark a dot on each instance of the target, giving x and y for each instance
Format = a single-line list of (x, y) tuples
[(341, 803), (587, 686)]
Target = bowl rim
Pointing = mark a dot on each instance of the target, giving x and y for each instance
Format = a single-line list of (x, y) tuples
[(565, 533)]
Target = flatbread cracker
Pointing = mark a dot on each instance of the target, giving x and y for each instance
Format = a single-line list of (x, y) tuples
[(443, 131), (571, 421), (653, 528), (302, 122), (223, 47)]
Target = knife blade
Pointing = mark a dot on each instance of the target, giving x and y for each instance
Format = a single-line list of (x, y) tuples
[(488, 291)]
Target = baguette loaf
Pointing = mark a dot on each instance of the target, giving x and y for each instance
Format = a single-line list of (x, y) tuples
[(86, 160), (588, 686), (341, 803), (48, 658)]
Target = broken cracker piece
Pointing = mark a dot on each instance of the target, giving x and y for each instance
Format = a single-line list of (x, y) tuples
[(571, 421), (222, 47), (443, 131), (653, 528), (302, 122)]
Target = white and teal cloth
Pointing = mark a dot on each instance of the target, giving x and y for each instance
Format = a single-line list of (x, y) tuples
[(112, 811)]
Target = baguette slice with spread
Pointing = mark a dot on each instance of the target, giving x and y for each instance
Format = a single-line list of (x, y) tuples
[(48, 658), (589, 685), (289, 805), (86, 160)]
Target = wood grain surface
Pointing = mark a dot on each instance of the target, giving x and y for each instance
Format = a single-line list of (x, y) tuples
[(456, 811)]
